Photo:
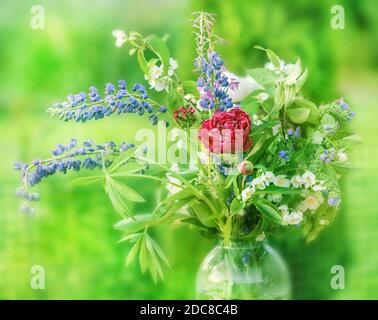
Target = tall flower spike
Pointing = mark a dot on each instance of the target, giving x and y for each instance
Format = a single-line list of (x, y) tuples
[(90, 105), (70, 157)]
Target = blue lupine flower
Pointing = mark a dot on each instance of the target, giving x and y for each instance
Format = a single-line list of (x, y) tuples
[(67, 159), (83, 107), (163, 109), (212, 83), (122, 84), (290, 132)]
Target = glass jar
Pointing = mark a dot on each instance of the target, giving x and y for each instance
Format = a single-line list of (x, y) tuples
[(243, 270)]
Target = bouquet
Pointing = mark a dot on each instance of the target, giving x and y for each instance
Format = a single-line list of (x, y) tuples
[(243, 157)]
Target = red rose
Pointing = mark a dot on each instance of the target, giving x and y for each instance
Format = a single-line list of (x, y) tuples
[(227, 132)]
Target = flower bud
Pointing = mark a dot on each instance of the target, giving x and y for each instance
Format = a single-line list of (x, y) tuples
[(245, 167)]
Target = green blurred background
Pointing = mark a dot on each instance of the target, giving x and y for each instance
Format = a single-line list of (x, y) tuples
[(72, 235)]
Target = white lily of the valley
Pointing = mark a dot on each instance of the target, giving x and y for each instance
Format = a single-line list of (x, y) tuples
[(269, 177), (311, 202), (308, 179), (246, 86), (284, 209), (259, 183), (293, 218), (247, 193), (296, 181), (281, 181)]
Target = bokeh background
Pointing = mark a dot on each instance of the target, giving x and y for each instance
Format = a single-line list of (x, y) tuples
[(72, 235)]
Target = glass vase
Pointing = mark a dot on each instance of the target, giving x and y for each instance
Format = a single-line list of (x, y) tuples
[(243, 270)]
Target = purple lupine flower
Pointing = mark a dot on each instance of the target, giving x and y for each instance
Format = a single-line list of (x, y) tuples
[(213, 84)]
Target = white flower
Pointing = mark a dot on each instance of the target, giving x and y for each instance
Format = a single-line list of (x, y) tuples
[(311, 202), (308, 179), (296, 181), (260, 237), (275, 197), (158, 85), (246, 86), (284, 209), (175, 167), (173, 188), (247, 193), (155, 73), (276, 129), (259, 183), (293, 218), (281, 181), (172, 66), (269, 177), (342, 156), (120, 36)]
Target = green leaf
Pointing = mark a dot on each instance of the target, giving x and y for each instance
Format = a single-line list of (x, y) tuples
[(263, 76), (301, 80), (262, 127), (158, 46), (125, 191), (314, 111), (142, 60), (190, 87), (298, 115), (203, 213), (269, 212), (250, 105), (279, 99), (281, 190), (158, 250), (236, 206), (121, 159), (136, 224), (83, 181), (274, 59), (134, 251), (143, 255), (128, 169), (118, 204), (258, 150)]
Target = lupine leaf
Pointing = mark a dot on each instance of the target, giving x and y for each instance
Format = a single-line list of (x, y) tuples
[(83, 181), (133, 251), (125, 191), (135, 224)]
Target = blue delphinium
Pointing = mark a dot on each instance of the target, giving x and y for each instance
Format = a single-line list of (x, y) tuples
[(86, 106), (212, 83)]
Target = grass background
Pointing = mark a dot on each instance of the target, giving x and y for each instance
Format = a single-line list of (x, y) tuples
[(72, 234)]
